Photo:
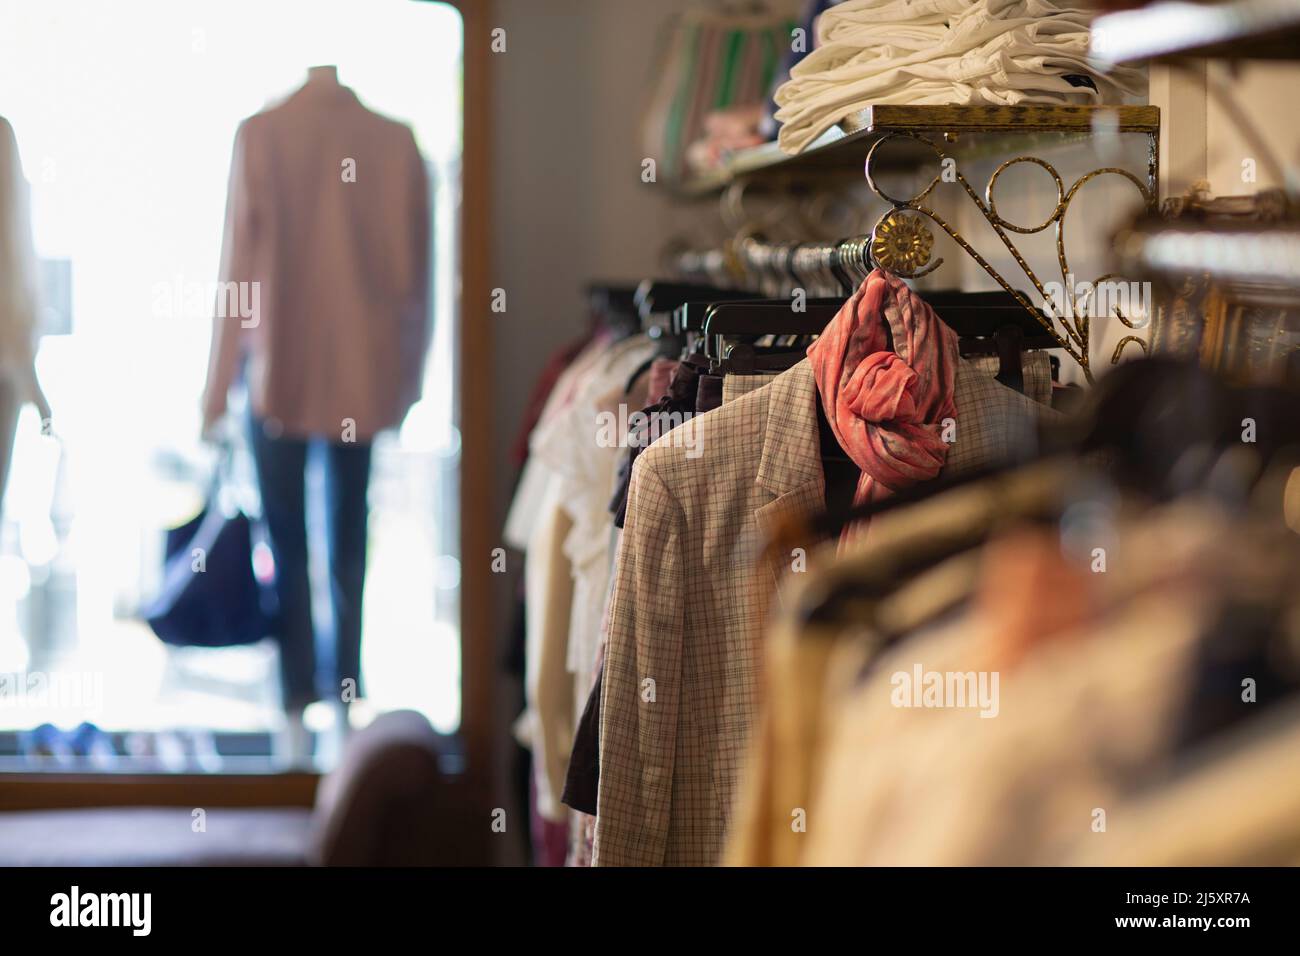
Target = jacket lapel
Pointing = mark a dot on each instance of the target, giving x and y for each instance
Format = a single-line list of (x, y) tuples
[(790, 467)]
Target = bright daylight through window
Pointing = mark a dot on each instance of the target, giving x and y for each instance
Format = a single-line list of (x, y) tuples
[(125, 126)]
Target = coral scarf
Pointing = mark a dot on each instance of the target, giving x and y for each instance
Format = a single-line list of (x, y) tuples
[(887, 408)]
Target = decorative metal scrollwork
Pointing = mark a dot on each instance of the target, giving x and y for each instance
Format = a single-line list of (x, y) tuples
[(901, 243)]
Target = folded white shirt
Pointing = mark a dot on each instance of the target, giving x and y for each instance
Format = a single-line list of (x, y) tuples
[(943, 52)]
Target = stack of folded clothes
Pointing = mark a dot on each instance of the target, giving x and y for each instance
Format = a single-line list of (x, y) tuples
[(945, 52)]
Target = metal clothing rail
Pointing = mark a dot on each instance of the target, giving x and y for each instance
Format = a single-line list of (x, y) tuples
[(902, 238)]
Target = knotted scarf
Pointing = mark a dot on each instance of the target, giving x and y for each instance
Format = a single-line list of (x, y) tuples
[(887, 408)]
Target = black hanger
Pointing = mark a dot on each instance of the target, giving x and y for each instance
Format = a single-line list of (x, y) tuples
[(659, 301), (612, 295), (689, 316), (657, 296), (1009, 341), (980, 313), (614, 305), (987, 323), (743, 359), (769, 317)]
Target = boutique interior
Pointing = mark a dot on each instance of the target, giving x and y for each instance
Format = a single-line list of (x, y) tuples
[(705, 410)]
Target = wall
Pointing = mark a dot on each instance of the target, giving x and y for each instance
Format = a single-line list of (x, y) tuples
[(568, 202), (1203, 134), (1265, 95)]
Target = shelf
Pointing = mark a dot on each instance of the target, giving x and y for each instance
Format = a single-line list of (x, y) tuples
[(1265, 254), (844, 148), (1239, 29)]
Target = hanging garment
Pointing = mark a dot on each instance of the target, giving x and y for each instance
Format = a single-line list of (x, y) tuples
[(1024, 800), (582, 780), (324, 265), (19, 290), (546, 725), (802, 667), (1036, 370), (1241, 792), (525, 504), (537, 403), (734, 386), (566, 560), (19, 298), (690, 602), (709, 394), (10, 406), (675, 404), (547, 584), (1036, 366), (582, 446), (661, 376), (536, 524), (560, 360), (812, 660), (1110, 687), (945, 52)]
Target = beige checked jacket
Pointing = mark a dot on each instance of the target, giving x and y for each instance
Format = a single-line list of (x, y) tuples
[(691, 599)]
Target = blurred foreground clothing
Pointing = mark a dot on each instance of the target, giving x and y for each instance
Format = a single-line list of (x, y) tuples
[(327, 239), (1059, 731), (18, 299)]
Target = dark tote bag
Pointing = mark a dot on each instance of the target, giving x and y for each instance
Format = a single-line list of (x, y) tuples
[(210, 595)]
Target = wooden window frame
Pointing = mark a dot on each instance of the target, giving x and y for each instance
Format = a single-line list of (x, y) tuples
[(478, 724)]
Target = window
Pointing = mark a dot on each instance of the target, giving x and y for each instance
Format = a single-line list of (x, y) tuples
[(125, 116)]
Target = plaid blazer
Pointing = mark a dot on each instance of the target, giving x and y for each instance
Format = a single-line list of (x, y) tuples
[(691, 599)]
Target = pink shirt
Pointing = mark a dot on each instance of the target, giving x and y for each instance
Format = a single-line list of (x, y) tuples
[(327, 237)]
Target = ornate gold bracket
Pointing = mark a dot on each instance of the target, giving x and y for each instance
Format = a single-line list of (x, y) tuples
[(902, 242)]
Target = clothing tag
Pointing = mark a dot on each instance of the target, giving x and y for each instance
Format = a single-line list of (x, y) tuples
[(1079, 79)]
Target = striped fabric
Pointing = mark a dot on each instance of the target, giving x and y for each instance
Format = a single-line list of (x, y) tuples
[(713, 61)]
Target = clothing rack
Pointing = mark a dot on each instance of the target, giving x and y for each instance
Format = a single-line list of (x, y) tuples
[(784, 268), (914, 138)]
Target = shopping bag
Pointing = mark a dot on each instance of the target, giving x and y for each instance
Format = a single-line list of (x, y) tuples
[(211, 595)]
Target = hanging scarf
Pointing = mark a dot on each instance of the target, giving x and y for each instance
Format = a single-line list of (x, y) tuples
[(887, 408)]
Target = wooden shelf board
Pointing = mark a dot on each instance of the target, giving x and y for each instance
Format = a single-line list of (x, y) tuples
[(845, 147)]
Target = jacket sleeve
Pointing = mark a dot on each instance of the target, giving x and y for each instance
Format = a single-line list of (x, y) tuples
[(641, 698), (228, 332), (417, 311)]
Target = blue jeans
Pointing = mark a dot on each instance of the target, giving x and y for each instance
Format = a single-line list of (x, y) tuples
[(281, 475)]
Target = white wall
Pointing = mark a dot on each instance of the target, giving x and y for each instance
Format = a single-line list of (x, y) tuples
[(1268, 96), (568, 201)]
